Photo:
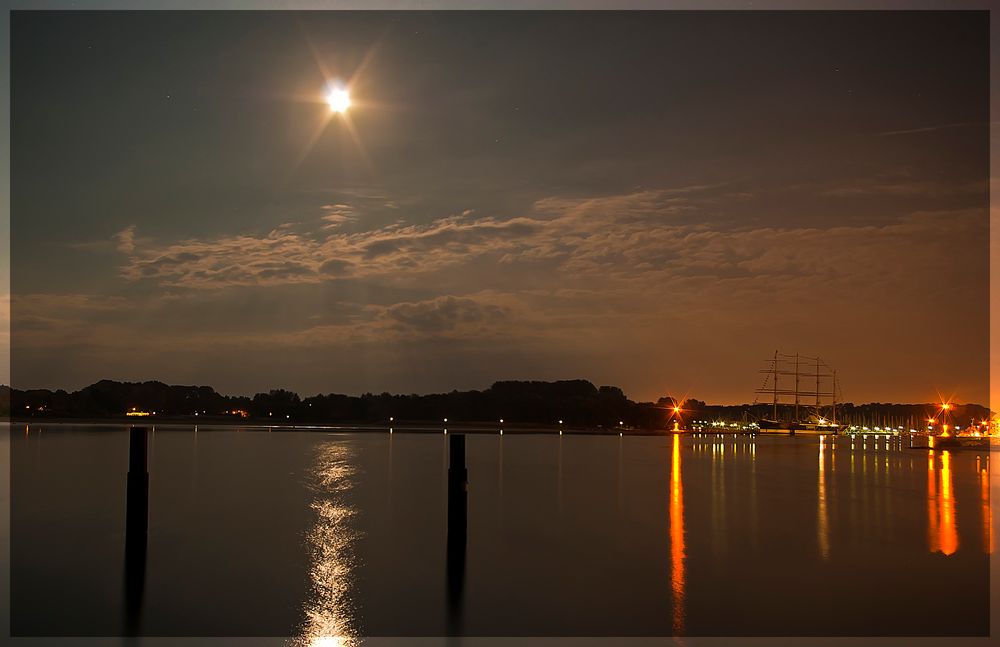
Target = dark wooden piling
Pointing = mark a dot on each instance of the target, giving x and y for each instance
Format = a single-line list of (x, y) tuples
[(136, 525), (458, 478)]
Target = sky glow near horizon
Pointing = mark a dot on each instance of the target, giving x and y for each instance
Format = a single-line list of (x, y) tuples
[(654, 201)]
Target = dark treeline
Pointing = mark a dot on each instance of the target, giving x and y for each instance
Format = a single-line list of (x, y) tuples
[(576, 402)]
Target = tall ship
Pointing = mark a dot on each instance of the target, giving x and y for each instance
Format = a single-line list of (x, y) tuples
[(802, 393)]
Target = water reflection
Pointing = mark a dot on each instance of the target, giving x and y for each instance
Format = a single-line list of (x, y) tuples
[(677, 553), (753, 493), (941, 514), (987, 513), (526, 578), (458, 521), (719, 512), (949, 533), (329, 616), (822, 522), (136, 526)]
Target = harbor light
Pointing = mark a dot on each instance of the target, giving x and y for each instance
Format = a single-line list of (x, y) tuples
[(391, 418), (446, 420), (501, 421)]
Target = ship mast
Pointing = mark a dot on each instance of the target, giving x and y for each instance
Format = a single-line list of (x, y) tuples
[(834, 395), (775, 369), (797, 387), (817, 386)]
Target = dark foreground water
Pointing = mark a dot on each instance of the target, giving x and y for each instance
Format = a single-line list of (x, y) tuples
[(318, 535)]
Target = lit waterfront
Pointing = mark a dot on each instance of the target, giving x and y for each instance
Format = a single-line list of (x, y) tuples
[(326, 535)]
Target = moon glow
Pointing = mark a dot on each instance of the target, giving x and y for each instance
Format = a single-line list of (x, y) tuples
[(339, 99)]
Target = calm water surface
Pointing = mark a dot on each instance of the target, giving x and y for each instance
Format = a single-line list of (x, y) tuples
[(317, 534)]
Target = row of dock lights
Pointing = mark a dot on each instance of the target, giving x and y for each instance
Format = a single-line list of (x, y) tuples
[(445, 420)]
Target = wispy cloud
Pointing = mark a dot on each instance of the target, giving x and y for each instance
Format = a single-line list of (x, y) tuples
[(902, 188), (570, 229), (647, 238), (927, 129), (289, 256), (126, 240), (446, 314)]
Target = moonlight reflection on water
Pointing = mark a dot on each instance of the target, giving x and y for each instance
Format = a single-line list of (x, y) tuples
[(330, 618)]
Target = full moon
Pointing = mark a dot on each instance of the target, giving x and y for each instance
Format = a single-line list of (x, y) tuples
[(338, 99)]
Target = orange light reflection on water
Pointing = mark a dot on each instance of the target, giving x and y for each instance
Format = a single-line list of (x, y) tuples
[(942, 524), (822, 525), (984, 487), (949, 532), (677, 553), (932, 513)]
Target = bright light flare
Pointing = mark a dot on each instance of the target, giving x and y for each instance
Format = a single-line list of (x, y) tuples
[(339, 99)]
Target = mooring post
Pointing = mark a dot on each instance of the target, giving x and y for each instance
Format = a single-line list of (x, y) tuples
[(458, 478), (136, 524)]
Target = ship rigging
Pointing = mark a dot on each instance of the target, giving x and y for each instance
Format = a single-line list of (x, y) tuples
[(803, 395)]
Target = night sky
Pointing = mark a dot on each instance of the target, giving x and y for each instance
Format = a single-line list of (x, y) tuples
[(654, 200)]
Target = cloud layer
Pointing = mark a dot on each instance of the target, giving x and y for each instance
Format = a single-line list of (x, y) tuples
[(656, 275)]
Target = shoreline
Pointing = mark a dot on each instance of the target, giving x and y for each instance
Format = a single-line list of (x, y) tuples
[(424, 427)]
